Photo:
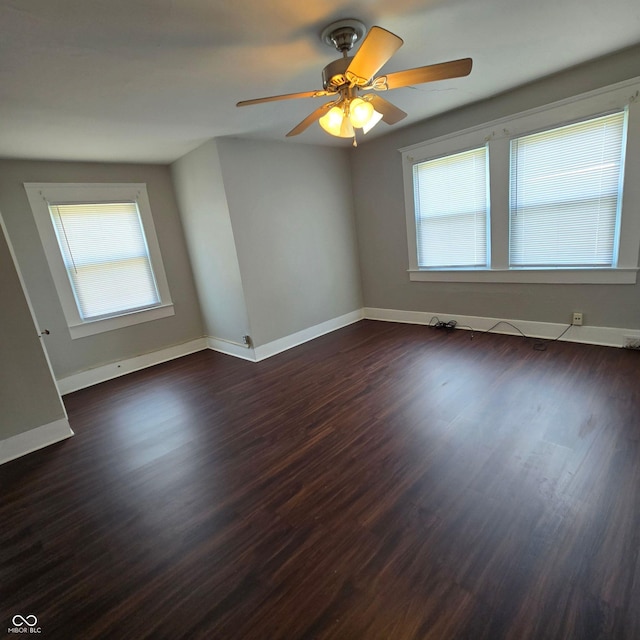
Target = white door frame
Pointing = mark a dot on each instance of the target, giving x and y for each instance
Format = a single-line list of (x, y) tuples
[(42, 333)]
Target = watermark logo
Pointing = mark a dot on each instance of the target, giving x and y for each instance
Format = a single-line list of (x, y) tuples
[(24, 624)]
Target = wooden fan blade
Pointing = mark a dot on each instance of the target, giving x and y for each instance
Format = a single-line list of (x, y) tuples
[(286, 96), (310, 119), (430, 73), (375, 50), (390, 113)]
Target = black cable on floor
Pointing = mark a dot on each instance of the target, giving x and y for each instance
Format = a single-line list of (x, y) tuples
[(540, 344)]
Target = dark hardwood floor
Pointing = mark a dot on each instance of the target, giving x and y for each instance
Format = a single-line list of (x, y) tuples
[(382, 482)]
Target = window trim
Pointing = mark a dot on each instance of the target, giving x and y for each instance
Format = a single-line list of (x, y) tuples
[(498, 135), (41, 194)]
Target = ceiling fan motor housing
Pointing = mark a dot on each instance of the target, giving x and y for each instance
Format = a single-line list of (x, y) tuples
[(333, 76)]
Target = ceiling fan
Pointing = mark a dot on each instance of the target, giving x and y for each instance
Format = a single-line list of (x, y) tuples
[(347, 78)]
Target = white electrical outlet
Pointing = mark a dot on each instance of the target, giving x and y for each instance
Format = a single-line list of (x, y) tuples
[(576, 318)]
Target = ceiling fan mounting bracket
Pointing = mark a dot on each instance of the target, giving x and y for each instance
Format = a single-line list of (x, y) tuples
[(343, 34)]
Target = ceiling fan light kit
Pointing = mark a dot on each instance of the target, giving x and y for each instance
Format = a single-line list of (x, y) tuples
[(360, 112), (334, 123), (349, 114), (345, 78)]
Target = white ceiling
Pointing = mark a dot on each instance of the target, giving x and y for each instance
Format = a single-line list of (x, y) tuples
[(149, 80)]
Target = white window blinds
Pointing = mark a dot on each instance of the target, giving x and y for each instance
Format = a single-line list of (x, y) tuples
[(106, 257), (451, 208), (566, 186)]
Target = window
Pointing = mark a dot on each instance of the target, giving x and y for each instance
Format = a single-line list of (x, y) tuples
[(103, 254), (451, 221), (562, 199), (566, 192)]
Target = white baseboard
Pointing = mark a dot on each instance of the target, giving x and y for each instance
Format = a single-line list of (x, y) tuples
[(115, 369), (606, 336), (112, 370), (34, 439), (231, 348), (295, 339)]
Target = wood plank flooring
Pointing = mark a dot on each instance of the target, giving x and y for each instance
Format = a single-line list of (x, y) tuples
[(382, 482)]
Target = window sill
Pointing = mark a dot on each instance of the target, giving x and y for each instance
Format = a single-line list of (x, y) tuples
[(528, 276), (92, 327)]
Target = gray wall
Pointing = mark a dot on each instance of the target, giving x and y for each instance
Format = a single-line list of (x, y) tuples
[(380, 215), (71, 356), (291, 210), (205, 217), (28, 394)]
